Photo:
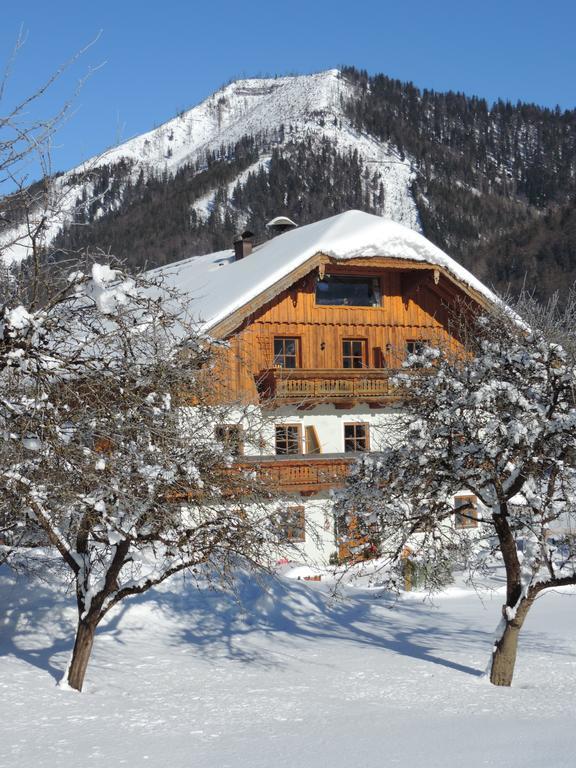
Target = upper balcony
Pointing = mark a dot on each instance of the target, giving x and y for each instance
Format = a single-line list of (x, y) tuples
[(344, 386)]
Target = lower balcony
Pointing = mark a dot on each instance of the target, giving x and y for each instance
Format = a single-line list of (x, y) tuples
[(342, 385), (306, 473), (299, 473)]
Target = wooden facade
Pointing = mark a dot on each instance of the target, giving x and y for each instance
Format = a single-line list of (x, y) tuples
[(291, 348), (305, 474), (414, 307)]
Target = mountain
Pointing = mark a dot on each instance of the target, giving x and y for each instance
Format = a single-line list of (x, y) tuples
[(488, 184), (493, 184)]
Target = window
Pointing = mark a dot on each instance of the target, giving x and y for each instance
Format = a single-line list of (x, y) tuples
[(416, 346), (292, 524), (340, 290), (468, 518), (230, 435), (288, 439), (356, 437), (354, 353), (286, 352)]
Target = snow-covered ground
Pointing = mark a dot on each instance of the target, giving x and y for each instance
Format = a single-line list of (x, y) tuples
[(183, 677)]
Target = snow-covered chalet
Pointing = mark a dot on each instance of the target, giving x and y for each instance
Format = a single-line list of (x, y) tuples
[(318, 319)]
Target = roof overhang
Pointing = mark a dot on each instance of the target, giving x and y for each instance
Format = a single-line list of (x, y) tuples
[(227, 325)]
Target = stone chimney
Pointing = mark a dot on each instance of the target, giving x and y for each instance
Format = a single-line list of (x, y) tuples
[(243, 245)]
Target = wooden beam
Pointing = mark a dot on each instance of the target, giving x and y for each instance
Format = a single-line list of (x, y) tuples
[(411, 282), (229, 324)]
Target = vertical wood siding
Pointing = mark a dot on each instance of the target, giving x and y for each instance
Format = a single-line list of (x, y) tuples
[(418, 314)]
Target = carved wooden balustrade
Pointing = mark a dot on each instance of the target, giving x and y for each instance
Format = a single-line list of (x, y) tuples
[(301, 385), (299, 473), (305, 473)]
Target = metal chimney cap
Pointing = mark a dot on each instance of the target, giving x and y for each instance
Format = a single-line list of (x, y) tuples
[(282, 221)]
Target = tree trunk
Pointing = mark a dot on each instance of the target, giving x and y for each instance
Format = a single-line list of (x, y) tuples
[(81, 654), (504, 654)]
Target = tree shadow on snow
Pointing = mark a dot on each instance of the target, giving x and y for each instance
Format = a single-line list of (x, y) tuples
[(219, 624), (256, 624), (37, 626)]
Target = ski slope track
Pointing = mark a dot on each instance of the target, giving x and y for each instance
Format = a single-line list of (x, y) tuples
[(310, 106)]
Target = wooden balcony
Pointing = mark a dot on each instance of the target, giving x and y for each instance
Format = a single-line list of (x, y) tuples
[(342, 385), (305, 473)]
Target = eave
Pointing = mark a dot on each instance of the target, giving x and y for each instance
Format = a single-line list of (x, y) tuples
[(226, 326)]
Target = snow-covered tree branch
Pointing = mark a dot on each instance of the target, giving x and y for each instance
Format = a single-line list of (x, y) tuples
[(101, 455), (496, 428)]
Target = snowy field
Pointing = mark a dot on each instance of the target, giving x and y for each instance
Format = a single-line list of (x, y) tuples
[(181, 677)]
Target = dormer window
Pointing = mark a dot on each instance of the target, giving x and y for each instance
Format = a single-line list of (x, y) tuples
[(345, 291)]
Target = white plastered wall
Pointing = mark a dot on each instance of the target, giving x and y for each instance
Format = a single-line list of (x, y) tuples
[(328, 421), (320, 539), (386, 427), (259, 429)]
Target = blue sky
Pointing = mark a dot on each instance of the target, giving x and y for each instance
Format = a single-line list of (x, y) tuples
[(158, 58)]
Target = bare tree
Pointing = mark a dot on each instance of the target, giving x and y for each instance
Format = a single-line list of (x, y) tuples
[(497, 426), (108, 449), (30, 210), (107, 410)]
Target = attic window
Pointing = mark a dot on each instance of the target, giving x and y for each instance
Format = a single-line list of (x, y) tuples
[(342, 290)]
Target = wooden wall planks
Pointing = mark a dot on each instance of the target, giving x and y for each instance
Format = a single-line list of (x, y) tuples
[(421, 314)]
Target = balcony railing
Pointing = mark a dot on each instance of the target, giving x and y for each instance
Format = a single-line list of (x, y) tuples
[(298, 473), (305, 473), (294, 385)]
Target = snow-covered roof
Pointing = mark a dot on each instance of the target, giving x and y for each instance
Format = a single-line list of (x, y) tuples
[(219, 286)]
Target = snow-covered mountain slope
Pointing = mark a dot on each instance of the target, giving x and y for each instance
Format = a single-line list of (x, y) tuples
[(245, 107), (284, 109), (308, 106)]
